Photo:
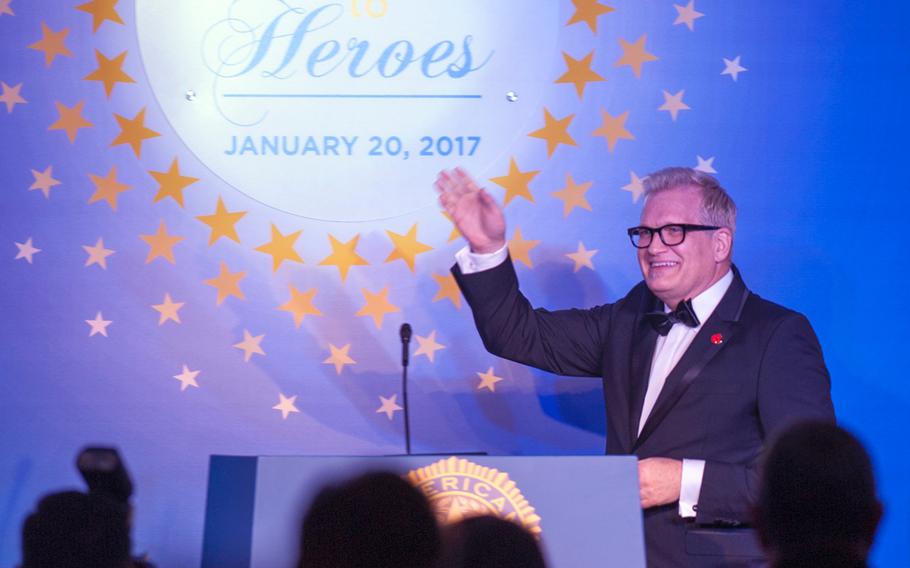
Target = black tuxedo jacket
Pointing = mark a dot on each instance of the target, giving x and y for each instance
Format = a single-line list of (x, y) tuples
[(753, 368)]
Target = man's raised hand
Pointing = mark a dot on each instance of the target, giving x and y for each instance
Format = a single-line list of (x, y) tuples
[(475, 213)]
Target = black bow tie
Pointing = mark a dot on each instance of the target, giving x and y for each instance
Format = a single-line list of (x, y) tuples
[(663, 321)]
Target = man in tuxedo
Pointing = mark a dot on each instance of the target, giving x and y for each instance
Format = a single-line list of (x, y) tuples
[(697, 371)]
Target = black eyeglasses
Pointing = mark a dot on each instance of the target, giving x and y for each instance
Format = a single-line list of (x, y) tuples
[(670, 235)]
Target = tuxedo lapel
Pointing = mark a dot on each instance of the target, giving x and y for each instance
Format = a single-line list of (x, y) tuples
[(643, 343), (723, 322)]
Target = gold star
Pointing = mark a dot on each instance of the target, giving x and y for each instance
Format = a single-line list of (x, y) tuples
[(579, 72), (107, 188), (52, 44), (250, 345), (516, 182), (448, 289), (635, 186), (168, 310), (613, 128), (161, 244), (281, 248), (377, 306), (339, 357), (455, 232), (344, 256), (26, 250), (171, 183), (11, 96), (428, 346), (227, 283), (133, 131), (286, 405), (222, 222), (573, 195), (5, 9), (634, 54), (587, 11), (389, 405), (687, 15), (520, 249), (70, 120), (674, 103), (97, 254), (406, 247), (101, 10), (555, 132), (488, 380), (109, 71), (582, 257), (44, 181), (98, 325), (300, 304), (187, 378)]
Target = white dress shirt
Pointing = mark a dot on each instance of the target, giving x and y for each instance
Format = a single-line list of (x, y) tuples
[(667, 353)]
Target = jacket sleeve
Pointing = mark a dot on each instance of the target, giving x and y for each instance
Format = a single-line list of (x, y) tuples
[(793, 386), (565, 342)]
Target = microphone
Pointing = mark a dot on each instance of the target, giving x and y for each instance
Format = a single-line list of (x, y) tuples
[(405, 334)]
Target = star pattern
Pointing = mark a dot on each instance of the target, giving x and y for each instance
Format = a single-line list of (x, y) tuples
[(109, 71), (5, 9), (107, 188), (634, 55), (97, 254), (227, 283), (339, 356), (187, 378), (515, 182), (286, 405), (520, 248), (101, 11), (704, 165), (733, 67), (161, 244), (171, 184), (168, 310), (44, 181), (98, 325), (687, 15), (579, 72), (281, 248), (488, 380), (389, 406), (250, 345), (573, 195), (448, 289), (52, 44), (555, 132), (377, 306), (300, 305), (613, 128), (674, 103), (406, 247), (344, 256), (427, 346), (133, 132), (587, 11), (11, 96), (222, 223), (71, 120), (26, 251), (635, 186), (582, 257)]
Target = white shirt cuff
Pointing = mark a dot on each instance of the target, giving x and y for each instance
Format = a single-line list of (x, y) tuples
[(690, 487), (471, 262)]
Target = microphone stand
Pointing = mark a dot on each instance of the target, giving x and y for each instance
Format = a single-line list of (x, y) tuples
[(405, 334)]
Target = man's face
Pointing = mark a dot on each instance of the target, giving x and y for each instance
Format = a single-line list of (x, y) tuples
[(683, 271)]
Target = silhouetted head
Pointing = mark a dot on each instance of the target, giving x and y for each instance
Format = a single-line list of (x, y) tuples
[(489, 542), (817, 504), (377, 520)]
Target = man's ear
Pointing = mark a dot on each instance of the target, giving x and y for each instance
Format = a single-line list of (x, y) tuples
[(722, 242)]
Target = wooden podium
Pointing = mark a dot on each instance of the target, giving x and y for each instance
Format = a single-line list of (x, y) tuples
[(585, 508)]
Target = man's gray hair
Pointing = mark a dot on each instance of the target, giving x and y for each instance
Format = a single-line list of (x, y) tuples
[(717, 207)]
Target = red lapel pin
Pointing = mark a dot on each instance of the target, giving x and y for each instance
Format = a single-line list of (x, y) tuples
[(717, 339)]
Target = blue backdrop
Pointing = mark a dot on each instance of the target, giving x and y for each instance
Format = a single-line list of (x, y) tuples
[(798, 106)]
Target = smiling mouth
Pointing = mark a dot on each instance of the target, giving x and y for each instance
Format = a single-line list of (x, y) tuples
[(663, 265)]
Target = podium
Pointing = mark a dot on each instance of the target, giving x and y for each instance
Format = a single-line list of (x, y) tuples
[(585, 509)]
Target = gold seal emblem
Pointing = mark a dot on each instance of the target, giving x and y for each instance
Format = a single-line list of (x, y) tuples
[(458, 488)]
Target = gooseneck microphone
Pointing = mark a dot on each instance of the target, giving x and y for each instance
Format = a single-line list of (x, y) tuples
[(405, 334)]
